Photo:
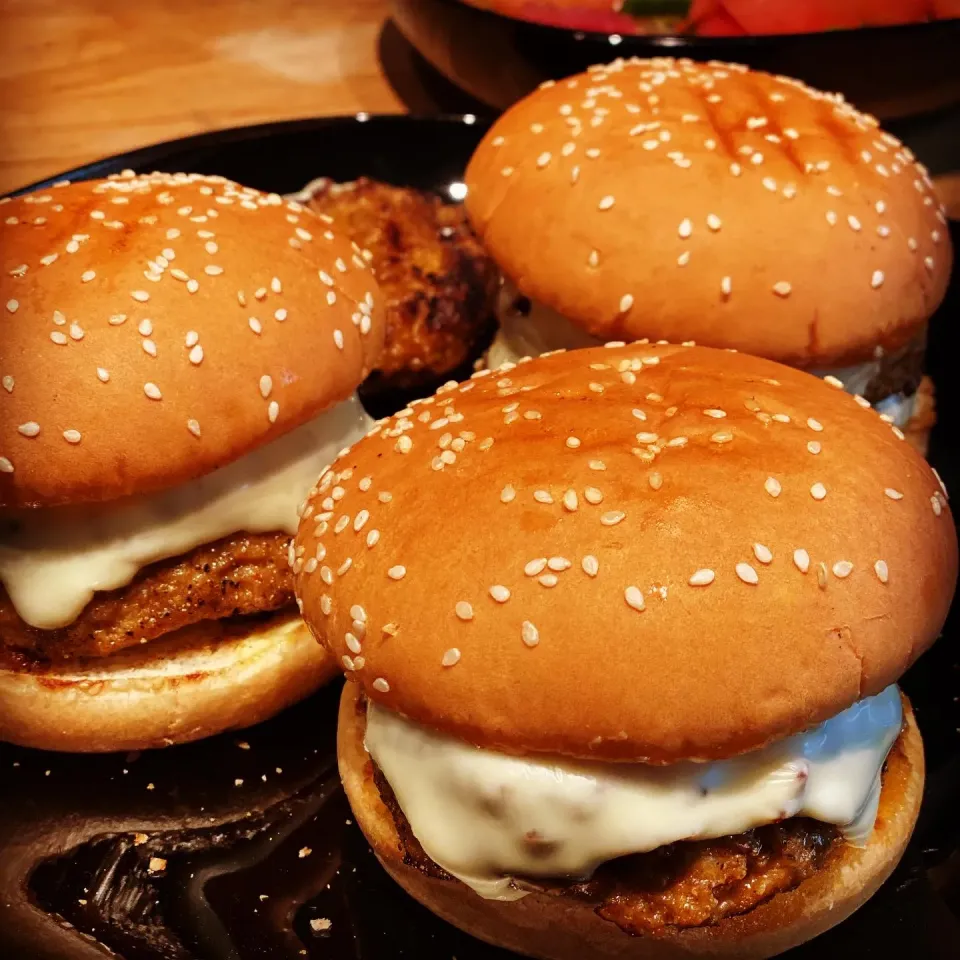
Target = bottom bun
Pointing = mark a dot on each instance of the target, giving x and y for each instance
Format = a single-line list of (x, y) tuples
[(917, 430), (195, 682), (559, 927)]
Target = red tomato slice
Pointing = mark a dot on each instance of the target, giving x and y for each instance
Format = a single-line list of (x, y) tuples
[(809, 16)]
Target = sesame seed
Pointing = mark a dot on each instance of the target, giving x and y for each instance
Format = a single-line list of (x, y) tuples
[(381, 685), (463, 610), (255, 325), (5, 465), (592, 495), (813, 446), (782, 288), (833, 381), (543, 160), (500, 593), (634, 598), (685, 229), (141, 296), (506, 171), (542, 496), (822, 575), (196, 355), (570, 500), (192, 286), (8, 383), (266, 386), (714, 222), (76, 331), (529, 634), (338, 339), (881, 570), (353, 644), (397, 573), (72, 436), (87, 276), (935, 504), (746, 573), (450, 658), (534, 568), (152, 391), (876, 281), (655, 481), (212, 270), (507, 494), (762, 553), (572, 442), (893, 494), (726, 286), (194, 427), (273, 411), (404, 444), (29, 429), (683, 259), (547, 580), (818, 491), (772, 486), (192, 338), (373, 537), (596, 465), (612, 518), (13, 306), (928, 262), (716, 414), (606, 202), (626, 302), (702, 578), (832, 217), (854, 223), (842, 568)]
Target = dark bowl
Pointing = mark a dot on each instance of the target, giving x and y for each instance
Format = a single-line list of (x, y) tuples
[(893, 72), (258, 845)]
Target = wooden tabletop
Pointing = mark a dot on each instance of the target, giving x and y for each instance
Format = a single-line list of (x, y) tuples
[(81, 79)]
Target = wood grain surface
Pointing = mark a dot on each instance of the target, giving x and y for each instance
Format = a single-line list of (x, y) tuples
[(81, 79)]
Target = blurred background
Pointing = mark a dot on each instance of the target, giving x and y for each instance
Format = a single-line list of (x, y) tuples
[(82, 79)]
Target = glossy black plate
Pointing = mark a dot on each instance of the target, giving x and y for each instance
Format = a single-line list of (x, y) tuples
[(894, 72), (242, 847)]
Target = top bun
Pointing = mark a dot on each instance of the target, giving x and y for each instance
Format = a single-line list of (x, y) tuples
[(685, 201), (157, 327), (632, 553)]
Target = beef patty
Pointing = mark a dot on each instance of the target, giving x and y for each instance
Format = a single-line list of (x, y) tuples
[(690, 883), (242, 574), (439, 285)]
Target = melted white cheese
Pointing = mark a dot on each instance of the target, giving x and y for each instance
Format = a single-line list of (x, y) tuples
[(543, 330), (486, 817), (52, 561)]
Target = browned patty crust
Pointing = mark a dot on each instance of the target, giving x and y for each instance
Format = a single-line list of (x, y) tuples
[(241, 574), (684, 884), (439, 284)]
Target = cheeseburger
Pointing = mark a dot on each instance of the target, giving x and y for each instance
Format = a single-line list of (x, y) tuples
[(179, 359), (639, 699), (684, 201)]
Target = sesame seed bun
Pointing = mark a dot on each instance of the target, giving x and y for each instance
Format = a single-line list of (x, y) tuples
[(642, 552), (158, 327), (561, 927), (193, 683), (684, 201)]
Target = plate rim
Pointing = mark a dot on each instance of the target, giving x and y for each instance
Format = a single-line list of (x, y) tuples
[(139, 158)]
